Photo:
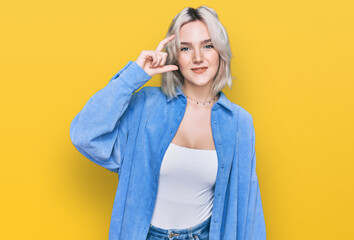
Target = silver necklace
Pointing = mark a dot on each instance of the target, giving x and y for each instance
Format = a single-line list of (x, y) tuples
[(201, 103)]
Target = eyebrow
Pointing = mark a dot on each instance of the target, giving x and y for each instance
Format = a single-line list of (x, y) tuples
[(187, 43)]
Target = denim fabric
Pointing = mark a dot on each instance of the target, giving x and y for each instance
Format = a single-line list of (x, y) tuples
[(128, 132), (198, 232)]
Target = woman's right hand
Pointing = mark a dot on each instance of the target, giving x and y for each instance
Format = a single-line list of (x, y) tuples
[(153, 61)]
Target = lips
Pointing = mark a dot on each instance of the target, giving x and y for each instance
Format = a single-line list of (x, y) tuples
[(199, 70)]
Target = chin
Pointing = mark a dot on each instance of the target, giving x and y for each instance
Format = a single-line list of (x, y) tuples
[(200, 83)]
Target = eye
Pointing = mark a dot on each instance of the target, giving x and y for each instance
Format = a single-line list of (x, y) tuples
[(184, 49), (209, 46)]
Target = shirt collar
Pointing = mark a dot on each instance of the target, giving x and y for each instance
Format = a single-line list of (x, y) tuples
[(223, 101)]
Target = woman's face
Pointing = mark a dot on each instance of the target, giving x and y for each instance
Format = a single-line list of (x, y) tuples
[(198, 60)]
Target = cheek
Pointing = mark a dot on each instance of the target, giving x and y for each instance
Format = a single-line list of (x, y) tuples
[(183, 64), (182, 61), (215, 58)]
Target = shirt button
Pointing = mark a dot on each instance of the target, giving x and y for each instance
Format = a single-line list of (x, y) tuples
[(219, 142), (214, 122), (218, 194), (170, 130), (222, 166), (215, 221)]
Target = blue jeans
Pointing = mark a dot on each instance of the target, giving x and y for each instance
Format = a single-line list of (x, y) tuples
[(198, 232)]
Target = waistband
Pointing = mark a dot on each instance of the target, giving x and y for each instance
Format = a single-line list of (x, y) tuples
[(197, 229)]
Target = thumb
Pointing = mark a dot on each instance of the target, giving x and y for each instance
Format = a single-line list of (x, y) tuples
[(166, 68)]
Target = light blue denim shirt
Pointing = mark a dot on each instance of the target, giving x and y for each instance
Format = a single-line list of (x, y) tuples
[(128, 132)]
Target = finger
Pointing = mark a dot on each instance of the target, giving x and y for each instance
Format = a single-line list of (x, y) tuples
[(159, 58), (164, 58), (154, 59), (164, 42), (167, 68)]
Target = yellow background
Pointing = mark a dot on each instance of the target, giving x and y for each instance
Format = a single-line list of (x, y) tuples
[(293, 67)]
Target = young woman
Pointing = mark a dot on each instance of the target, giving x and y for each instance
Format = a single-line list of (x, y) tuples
[(184, 154)]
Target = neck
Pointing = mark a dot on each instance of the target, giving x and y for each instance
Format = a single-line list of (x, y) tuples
[(198, 93)]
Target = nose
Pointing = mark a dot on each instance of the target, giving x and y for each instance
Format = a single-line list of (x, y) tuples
[(198, 56)]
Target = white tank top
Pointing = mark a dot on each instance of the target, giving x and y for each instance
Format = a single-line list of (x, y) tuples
[(186, 187)]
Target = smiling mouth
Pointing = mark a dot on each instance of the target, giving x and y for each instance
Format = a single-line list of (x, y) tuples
[(199, 70)]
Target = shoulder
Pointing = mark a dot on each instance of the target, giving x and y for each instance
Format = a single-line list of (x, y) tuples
[(239, 113), (149, 91), (244, 118), (148, 95), (243, 114)]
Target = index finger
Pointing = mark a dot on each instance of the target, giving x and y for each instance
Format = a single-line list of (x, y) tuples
[(164, 42)]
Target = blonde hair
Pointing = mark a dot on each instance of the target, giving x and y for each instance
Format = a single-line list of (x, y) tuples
[(172, 80)]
